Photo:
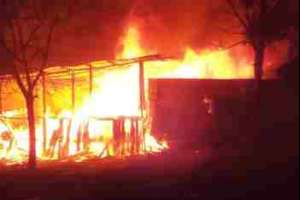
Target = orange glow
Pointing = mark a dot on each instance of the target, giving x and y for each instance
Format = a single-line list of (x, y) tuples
[(131, 43), (117, 96)]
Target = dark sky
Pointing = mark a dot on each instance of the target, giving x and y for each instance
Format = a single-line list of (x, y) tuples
[(92, 32), (168, 26), (97, 25)]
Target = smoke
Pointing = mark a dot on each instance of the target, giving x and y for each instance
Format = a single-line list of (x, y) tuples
[(171, 26), (167, 27), (96, 26), (91, 32)]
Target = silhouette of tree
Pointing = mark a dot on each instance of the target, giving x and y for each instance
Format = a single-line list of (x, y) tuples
[(261, 22), (27, 27)]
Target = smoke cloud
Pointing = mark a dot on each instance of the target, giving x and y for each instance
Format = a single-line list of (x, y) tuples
[(167, 27)]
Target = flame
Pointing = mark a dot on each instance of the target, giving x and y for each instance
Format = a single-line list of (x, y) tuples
[(132, 43), (117, 97)]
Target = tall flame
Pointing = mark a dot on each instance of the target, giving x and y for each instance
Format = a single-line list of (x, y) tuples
[(132, 43)]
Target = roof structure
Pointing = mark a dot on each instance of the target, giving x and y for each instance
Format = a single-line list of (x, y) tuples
[(61, 72)]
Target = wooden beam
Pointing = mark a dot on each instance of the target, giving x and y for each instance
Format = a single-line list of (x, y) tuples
[(44, 112), (142, 98), (1, 102), (91, 79), (142, 87), (73, 91)]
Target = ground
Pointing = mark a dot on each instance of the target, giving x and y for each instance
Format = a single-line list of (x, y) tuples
[(170, 175)]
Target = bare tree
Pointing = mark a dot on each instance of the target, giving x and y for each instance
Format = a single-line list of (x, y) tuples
[(260, 22), (27, 27)]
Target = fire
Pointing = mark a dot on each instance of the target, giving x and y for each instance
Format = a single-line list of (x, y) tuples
[(132, 43), (207, 64), (110, 121)]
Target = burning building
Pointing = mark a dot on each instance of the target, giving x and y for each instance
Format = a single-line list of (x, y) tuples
[(102, 108), (173, 111), (109, 108)]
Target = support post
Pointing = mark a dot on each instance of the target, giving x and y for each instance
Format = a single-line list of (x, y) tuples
[(73, 92), (1, 103), (86, 137), (142, 87), (116, 136), (44, 112), (91, 80), (68, 137), (142, 98), (91, 84), (79, 137), (134, 130)]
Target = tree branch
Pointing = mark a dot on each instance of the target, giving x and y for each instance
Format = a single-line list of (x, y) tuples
[(46, 55), (36, 52), (13, 37), (237, 43), (230, 30), (31, 35), (237, 14), (20, 33), (8, 50), (18, 78)]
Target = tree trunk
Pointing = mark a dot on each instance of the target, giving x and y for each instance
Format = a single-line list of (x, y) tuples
[(259, 72), (32, 135), (259, 61)]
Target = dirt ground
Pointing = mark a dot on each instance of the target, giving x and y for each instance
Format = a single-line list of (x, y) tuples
[(169, 175)]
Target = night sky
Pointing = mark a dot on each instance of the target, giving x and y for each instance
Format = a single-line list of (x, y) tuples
[(94, 30)]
